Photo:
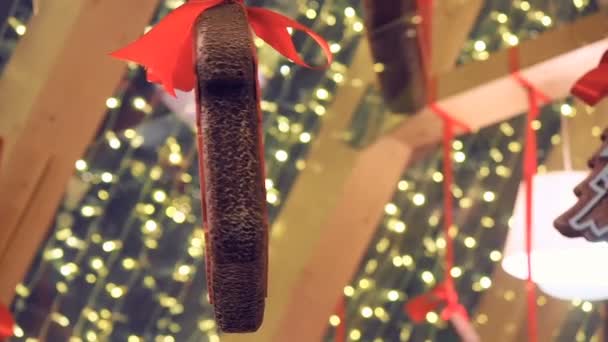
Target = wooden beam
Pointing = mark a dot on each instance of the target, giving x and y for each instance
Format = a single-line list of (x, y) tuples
[(55, 105), (484, 93), (552, 312)]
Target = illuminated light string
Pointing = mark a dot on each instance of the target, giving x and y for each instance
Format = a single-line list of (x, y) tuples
[(71, 255), (502, 163)]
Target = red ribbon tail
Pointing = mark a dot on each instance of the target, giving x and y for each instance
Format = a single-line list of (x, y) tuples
[(166, 51), (593, 86), (418, 307), (271, 27)]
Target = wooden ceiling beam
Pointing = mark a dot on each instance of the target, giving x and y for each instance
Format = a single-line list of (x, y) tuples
[(52, 107)]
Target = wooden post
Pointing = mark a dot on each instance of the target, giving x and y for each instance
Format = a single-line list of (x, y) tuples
[(52, 96)]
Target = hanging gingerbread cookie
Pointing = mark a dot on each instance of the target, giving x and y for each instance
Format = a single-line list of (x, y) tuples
[(588, 218), (207, 45)]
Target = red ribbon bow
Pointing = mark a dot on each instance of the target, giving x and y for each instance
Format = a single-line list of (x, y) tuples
[(443, 294), (6, 323), (593, 86), (166, 51)]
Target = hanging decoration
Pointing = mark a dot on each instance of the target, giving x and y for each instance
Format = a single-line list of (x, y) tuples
[(207, 45), (560, 264), (588, 217), (444, 295)]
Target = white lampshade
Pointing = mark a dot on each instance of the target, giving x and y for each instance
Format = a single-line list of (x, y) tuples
[(562, 267)]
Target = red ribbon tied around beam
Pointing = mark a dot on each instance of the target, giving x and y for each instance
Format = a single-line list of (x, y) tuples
[(444, 294), (166, 51), (6, 323), (593, 86), (535, 99)]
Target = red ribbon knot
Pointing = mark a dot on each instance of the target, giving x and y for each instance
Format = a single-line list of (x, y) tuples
[(444, 295), (167, 52), (593, 86)]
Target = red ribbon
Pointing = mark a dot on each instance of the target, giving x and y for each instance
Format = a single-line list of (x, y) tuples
[(166, 51), (535, 99), (6, 323), (593, 86), (340, 333), (444, 294)]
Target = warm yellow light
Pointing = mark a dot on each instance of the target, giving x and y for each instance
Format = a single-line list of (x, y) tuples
[(335, 47), (437, 176), (96, 263), (418, 199), (349, 12), (432, 317), (355, 335), (175, 158), (20, 30), (403, 185), (470, 242), (322, 94), (367, 312), (485, 282), (427, 277), (271, 197), (495, 255), (390, 209), (459, 157), (456, 272), (334, 320), (392, 295), (107, 177), (117, 292), (179, 217), (281, 156), (311, 13), (407, 260), (349, 291), (479, 45), (489, 196), (358, 26), (305, 137), (159, 196), (587, 307), (139, 103), (81, 165)]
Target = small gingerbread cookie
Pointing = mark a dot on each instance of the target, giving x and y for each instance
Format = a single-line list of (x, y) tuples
[(589, 216)]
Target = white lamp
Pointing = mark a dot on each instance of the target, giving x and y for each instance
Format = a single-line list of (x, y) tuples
[(562, 267)]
